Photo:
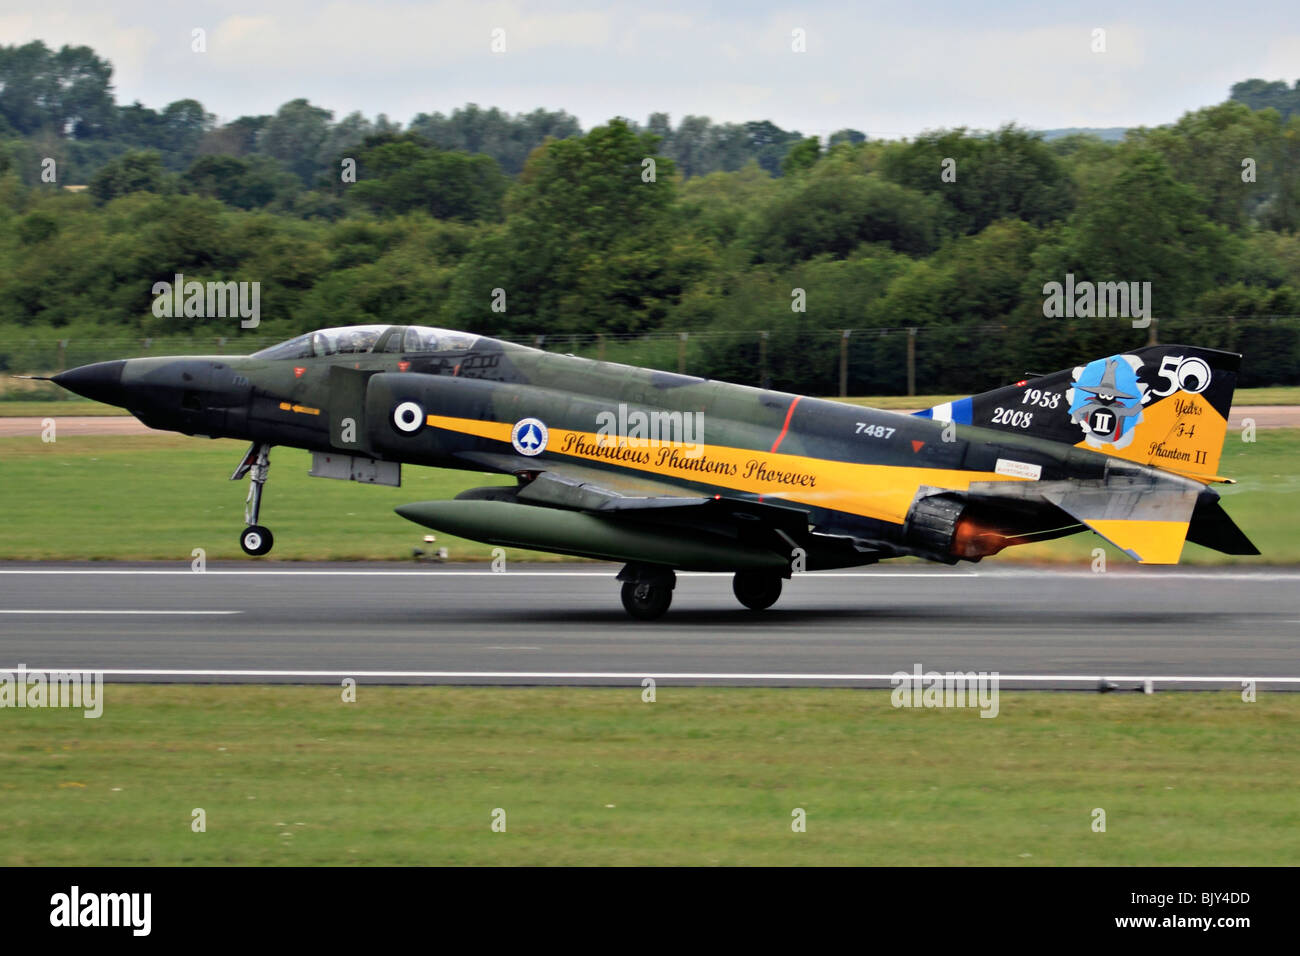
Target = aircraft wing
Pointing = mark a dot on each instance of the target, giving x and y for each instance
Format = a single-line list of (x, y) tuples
[(582, 510), (578, 486), (597, 493), (601, 492), (596, 490)]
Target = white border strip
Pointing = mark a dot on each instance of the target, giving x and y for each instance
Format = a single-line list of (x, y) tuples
[(486, 574), (34, 611), (1137, 575), (641, 675)]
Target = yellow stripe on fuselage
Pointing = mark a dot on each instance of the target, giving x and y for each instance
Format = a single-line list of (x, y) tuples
[(884, 492)]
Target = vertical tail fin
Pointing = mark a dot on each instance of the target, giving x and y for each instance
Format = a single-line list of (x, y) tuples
[(1163, 405)]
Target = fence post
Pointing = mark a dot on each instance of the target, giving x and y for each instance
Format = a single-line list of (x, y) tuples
[(844, 364), (600, 346), (764, 379), (1151, 336), (681, 353), (911, 361), (63, 354)]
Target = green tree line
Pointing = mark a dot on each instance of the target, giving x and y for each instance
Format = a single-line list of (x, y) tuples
[(761, 244)]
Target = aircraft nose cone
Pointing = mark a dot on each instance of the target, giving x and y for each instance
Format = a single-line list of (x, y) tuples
[(101, 381)]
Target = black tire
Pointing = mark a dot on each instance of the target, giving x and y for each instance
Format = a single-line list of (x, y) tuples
[(757, 590), (256, 540), (646, 601)]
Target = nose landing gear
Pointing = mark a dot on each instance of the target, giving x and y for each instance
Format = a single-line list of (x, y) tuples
[(256, 540)]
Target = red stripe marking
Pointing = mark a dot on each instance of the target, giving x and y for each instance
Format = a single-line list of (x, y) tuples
[(786, 427)]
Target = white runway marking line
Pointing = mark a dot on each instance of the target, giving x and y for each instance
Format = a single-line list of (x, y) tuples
[(483, 574), (641, 675), (47, 611)]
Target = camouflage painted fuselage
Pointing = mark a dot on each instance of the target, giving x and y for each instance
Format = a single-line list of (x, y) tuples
[(767, 470)]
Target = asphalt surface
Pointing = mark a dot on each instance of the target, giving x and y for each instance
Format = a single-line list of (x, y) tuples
[(563, 624), (1264, 416)]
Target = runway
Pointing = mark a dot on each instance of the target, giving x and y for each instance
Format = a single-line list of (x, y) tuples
[(563, 624)]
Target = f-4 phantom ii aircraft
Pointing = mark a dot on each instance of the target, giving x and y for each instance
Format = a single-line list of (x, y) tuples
[(666, 472)]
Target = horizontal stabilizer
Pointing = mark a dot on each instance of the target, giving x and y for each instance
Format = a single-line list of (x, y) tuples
[(1147, 523), (1148, 542)]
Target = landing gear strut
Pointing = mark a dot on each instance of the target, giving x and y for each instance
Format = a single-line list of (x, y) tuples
[(647, 590), (757, 590), (255, 539)]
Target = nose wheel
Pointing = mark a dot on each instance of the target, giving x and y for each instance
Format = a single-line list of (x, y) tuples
[(256, 540)]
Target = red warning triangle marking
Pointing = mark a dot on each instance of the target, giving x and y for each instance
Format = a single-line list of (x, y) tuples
[(298, 370), (917, 445)]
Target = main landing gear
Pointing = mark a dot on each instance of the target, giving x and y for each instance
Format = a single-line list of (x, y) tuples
[(757, 590), (648, 589), (255, 539)]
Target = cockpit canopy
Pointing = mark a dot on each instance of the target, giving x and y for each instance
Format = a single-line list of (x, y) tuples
[(359, 339)]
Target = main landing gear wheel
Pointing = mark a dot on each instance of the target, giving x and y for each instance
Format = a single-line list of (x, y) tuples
[(757, 590), (256, 540), (647, 591), (645, 601)]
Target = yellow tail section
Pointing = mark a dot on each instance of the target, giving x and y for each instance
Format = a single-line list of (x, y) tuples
[(1162, 405), (1184, 433)]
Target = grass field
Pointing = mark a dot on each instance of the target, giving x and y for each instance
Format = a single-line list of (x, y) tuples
[(47, 399), (895, 402), (71, 407), (160, 496), (291, 775)]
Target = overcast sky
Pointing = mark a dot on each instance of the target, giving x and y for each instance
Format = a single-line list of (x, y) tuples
[(890, 69)]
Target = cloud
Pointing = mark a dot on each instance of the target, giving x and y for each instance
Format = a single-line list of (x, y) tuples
[(879, 67)]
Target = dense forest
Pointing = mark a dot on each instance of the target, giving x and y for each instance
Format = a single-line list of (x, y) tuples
[(739, 251)]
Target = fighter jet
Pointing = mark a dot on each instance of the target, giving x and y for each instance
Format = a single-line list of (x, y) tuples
[(665, 472)]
